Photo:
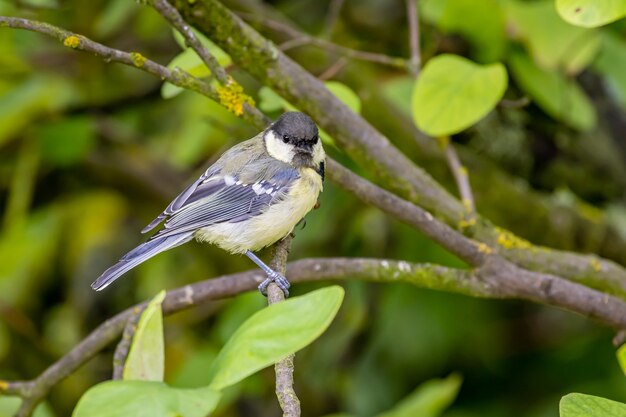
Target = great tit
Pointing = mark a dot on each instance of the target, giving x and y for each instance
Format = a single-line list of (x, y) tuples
[(253, 196)]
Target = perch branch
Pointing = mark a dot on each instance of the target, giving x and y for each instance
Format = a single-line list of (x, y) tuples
[(286, 394), (493, 280)]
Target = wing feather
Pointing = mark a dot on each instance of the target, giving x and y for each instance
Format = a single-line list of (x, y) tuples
[(226, 199)]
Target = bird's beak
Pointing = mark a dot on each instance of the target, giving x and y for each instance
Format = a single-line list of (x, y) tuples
[(307, 150)]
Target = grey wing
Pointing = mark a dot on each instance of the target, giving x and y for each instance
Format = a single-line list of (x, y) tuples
[(201, 183), (226, 199)]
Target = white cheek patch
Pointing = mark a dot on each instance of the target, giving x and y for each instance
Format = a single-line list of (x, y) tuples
[(318, 153), (277, 148)]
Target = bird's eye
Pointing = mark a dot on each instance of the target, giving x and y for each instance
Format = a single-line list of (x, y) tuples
[(315, 139), (286, 138)]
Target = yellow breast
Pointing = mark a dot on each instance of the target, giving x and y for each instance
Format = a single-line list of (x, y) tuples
[(272, 225)]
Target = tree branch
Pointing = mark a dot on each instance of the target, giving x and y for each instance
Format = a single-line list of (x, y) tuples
[(299, 39), (414, 37), (123, 347), (471, 252), (369, 148), (177, 76), (496, 279), (287, 397), (461, 176)]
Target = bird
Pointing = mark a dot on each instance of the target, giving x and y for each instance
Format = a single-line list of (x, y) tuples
[(250, 198)]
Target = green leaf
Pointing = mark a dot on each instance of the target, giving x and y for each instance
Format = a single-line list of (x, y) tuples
[(481, 22), (67, 141), (452, 93), (345, 94), (146, 357), (559, 97), (145, 399), (429, 399), (621, 357), (591, 13), (273, 333), (582, 405), (553, 43)]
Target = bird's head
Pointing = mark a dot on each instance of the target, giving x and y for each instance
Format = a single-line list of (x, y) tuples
[(294, 139)]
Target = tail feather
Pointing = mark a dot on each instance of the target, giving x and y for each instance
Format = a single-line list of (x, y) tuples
[(138, 255)]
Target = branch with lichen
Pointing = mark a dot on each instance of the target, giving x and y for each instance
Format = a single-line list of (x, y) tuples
[(229, 95), (495, 279), (493, 275), (262, 59), (359, 139)]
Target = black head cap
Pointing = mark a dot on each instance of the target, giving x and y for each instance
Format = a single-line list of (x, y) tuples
[(295, 127)]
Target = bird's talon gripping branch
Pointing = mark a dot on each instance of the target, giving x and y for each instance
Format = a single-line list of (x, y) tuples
[(279, 280)]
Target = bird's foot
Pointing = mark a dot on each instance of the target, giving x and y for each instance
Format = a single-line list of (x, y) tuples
[(279, 280)]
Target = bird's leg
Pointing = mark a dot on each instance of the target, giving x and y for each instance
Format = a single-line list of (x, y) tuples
[(272, 276)]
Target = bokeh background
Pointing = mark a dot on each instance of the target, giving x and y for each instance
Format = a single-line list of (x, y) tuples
[(90, 152)]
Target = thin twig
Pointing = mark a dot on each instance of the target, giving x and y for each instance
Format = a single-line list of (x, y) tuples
[(331, 71), (123, 347), (414, 37), (176, 76), (334, 8), (287, 397), (461, 176), (293, 43), (300, 39), (174, 18)]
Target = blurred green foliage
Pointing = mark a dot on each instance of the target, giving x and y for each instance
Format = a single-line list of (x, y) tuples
[(90, 152)]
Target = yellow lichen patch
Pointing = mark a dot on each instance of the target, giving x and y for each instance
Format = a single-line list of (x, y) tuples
[(72, 41), (138, 59), (233, 98), (465, 223), (595, 265), (484, 248), (467, 204), (508, 240)]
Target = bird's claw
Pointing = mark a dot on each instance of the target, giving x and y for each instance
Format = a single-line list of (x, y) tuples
[(279, 280)]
